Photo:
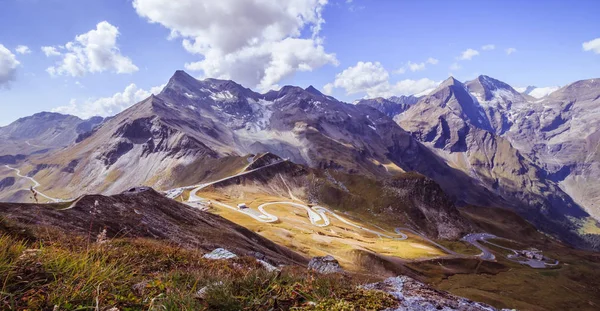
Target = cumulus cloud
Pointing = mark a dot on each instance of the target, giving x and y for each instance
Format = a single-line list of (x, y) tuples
[(592, 45), (8, 66), (510, 51), (255, 42), (488, 47), (416, 66), (107, 106), (50, 51), (373, 79), (92, 52), (468, 54), (23, 49)]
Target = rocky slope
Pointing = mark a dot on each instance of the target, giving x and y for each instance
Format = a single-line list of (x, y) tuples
[(561, 132), (466, 124)]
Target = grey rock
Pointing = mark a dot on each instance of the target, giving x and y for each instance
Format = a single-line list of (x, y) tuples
[(220, 253), (416, 296), (325, 265)]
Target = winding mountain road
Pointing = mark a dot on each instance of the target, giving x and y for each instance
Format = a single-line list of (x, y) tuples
[(474, 239), (36, 184), (318, 217), (194, 198)]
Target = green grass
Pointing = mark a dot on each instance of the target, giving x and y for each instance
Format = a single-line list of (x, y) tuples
[(142, 274), (573, 285), (460, 247)]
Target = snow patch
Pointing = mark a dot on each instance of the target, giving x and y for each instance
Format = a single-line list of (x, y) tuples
[(224, 96)]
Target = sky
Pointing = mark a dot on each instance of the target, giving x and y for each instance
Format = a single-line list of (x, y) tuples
[(98, 57)]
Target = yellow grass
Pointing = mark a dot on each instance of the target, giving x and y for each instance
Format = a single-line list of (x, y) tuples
[(590, 226), (295, 231)]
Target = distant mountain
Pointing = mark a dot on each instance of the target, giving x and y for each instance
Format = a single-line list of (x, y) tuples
[(538, 92), (390, 106), (43, 131)]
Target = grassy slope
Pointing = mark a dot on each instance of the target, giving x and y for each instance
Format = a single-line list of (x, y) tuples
[(40, 270), (295, 231)]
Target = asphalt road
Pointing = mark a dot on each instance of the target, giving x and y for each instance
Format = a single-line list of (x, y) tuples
[(474, 239), (35, 185)]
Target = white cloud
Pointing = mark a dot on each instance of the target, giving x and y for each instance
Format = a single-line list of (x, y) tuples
[(416, 66), (23, 49), (107, 106), (510, 51), (371, 78), (91, 52), (592, 45), (432, 61), (455, 66), (50, 51), (328, 88), (468, 54), (255, 42), (488, 47), (8, 66)]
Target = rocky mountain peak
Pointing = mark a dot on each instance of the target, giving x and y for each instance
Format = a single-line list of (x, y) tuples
[(487, 88), (181, 81), (311, 89), (226, 85), (451, 81), (408, 100), (293, 91), (452, 96)]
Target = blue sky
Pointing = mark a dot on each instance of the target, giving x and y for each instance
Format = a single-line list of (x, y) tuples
[(351, 49)]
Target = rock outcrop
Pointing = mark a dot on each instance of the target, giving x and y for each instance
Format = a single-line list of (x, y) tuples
[(325, 265), (416, 296)]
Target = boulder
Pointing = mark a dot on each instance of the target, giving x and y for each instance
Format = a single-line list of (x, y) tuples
[(220, 253), (325, 265)]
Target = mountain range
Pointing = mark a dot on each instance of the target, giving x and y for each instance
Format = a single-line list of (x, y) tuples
[(482, 141)]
